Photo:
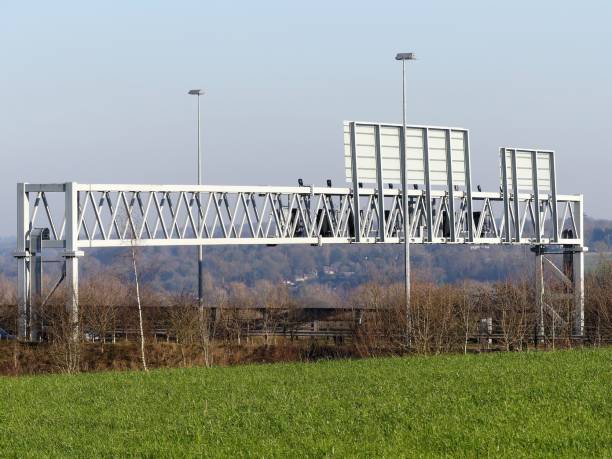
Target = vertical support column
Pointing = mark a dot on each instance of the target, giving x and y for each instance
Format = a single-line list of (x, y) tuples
[(468, 186), (553, 191), (539, 293), (36, 273), (578, 278), (72, 293), (536, 194), (578, 287), (429, 216), (515, 197), (406, 221), (451, 189), (71, 255), (404, 184), (23, 261), (504, 173), (35, 238), (379, 184), (356, 219)]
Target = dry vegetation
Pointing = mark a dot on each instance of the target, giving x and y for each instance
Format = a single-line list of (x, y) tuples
[(268, 322)]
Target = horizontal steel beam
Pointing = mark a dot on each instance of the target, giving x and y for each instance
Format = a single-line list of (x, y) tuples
[(112, 215)]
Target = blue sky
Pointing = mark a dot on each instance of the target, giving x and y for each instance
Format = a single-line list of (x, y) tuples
[(97, 93)]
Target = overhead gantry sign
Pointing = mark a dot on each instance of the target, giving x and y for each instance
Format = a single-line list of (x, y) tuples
[(442, 209)]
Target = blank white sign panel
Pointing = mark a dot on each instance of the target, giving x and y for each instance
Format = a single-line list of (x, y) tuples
[(524, 169), (365, 140)]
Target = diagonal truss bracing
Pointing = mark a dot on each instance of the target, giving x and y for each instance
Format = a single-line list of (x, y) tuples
[(149, 215)]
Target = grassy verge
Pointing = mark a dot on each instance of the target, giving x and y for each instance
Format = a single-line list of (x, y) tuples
[(512, 405)]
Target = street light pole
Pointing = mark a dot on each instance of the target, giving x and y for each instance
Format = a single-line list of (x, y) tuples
[(405, 57), (198, 93)]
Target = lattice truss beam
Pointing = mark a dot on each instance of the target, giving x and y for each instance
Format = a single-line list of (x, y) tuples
[(122, 215)]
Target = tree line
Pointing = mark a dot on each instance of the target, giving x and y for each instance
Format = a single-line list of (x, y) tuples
[(239, 322)]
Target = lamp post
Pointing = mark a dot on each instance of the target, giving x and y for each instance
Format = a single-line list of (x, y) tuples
[(405, 57), (198, 93)]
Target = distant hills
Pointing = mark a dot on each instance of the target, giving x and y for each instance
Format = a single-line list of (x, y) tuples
[(172, 268)]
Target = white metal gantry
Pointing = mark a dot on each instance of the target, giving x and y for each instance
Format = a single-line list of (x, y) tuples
[(74, 217), (527, 210)]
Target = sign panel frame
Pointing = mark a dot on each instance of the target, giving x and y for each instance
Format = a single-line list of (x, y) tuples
[(421, 142), (444, 153), (528, 170)]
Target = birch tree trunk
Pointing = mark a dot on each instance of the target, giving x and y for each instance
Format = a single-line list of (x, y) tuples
[(142, 342)]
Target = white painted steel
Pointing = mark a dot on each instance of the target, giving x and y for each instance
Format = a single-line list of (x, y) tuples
[(578, 274), (524, 166), (539, 295), (417, 137), (22, 255), (121, 215), (71, 255), (95, 216), (578, 290)]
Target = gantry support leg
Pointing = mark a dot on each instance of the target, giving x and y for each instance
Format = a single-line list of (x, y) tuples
[(71, 256), (539, 293), (578, 271), (578, 290), (35, 244), (72, 292), (23, 295), (22, 254), (36, 274)]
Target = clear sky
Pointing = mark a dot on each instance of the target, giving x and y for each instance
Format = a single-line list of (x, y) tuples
[(97, 93)]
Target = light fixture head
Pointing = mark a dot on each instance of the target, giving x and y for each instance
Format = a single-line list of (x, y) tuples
[(196, 92), (405, 57)]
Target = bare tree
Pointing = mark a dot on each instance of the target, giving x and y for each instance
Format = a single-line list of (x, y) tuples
[(238, 310), (64, 347), (8, 302), (101, 297), (598, 303), (184, 321), (466, 310), (380, 327), (512, 304), (141, 329), (272, 301)]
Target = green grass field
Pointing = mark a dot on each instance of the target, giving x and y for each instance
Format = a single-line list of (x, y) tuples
[(522, 404)]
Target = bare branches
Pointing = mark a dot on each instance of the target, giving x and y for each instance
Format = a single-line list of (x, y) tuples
[(270, 320)]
